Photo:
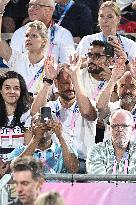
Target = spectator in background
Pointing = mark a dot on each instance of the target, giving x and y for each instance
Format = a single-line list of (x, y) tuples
[(50, 198), (61, 40), (14, 113), (94, 7), (28, 176), (57, 157), (15, 15), (73, 108), (128, 9), (75, 17), (117, 155), (109, 18)]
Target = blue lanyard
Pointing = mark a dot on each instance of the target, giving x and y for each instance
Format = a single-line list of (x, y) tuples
[(67, 7)]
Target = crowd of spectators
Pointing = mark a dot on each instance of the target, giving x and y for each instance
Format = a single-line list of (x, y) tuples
[(68, 99)]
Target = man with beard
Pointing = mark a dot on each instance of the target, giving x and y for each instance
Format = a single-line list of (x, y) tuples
[(116, 155), (97, 68), (96, 74), (126, 89), (57, 158), (73, 108)]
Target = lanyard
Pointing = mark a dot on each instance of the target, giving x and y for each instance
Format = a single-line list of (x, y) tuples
[(52, 37), (72, 121), (36, 76), (67, 7), (98, 89), (126, 156)]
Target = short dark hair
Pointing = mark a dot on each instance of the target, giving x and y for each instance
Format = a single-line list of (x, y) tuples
[(29, 164), (98, 43), (108, 48)]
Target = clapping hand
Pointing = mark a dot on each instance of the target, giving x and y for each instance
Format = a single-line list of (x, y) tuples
[(75, 65), (51, 69), (118, 69)]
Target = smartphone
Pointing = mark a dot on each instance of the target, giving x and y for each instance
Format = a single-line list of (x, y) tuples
[(112, 38), (45, 114)]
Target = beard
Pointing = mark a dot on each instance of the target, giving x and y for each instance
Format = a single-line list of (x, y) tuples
[(65, 95), (94, 69)]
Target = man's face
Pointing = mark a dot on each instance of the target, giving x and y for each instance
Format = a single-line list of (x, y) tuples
[(40, 10), (97, 60), (121, 129), (26, 187), (11, 91), (127, 89), (65, 86)]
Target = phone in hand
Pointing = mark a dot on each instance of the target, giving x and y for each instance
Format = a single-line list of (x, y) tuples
[(45, 114)]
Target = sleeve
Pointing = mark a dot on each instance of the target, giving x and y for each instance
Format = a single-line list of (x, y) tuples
[(17, 40), (66, 46), (14, 58), (95, 160), (15, 153)]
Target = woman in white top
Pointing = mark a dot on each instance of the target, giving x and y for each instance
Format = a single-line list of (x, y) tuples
[(15, 114), (30, 64), (109, 18)]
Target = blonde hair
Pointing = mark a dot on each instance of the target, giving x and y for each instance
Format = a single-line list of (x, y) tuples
[(112, 5), (41, 27), (50, 198)]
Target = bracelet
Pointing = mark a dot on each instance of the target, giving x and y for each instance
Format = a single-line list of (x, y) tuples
[(126, 62), (49, 81)]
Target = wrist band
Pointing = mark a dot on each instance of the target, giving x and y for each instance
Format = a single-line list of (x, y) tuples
[(47, 80), (126, 62)]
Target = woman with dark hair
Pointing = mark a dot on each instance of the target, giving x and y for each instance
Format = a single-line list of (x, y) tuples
[(14, 112)]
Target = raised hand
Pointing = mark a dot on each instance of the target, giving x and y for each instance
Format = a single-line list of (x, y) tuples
[(133, 68), (118, 69), (75, 65), (51, 69)]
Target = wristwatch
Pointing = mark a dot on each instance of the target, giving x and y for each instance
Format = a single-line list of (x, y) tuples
[(45, 79)]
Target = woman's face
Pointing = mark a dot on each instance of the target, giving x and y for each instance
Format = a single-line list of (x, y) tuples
[(33, 40), (11, 91), (108, 21)]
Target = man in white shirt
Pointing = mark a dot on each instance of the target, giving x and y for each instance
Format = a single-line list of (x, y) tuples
[(73, 108), (61, 40)]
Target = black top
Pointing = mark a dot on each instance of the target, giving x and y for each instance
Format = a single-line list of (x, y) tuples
[(78, 20), (15, 202)]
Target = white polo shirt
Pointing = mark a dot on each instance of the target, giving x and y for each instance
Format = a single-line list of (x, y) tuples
[(20, 63), (77, 131), (63, 43), (91, 85)]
